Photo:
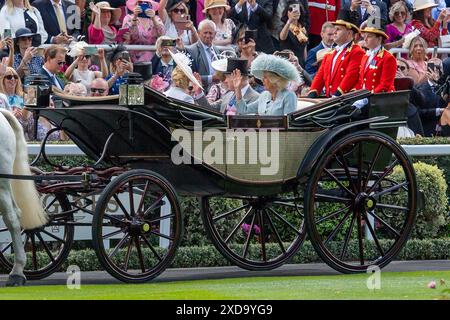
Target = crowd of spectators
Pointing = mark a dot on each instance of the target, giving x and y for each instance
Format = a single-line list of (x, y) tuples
[(58, 39)]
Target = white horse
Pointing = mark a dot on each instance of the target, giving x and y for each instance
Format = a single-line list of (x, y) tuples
[(20, 206)]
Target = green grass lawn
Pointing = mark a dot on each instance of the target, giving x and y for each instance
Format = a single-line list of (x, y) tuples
[(405, 285)]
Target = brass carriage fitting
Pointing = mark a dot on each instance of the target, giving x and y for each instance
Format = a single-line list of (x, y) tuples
[(145, 227)]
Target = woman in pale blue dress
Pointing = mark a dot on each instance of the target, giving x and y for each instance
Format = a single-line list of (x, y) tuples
[(275, 73)]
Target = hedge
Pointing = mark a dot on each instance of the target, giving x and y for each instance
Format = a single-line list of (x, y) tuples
[(432, 221), (208, 256)]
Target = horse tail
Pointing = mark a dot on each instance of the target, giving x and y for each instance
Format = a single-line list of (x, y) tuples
[(24, 191)]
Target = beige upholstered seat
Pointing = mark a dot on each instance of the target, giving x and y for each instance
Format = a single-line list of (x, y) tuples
[(307, 102), (57, 92)]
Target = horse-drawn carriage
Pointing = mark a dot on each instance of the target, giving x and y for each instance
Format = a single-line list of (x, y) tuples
[(327, 170)]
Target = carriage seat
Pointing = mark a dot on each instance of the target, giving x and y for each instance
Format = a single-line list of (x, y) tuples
[(303, 103), (71, 100)]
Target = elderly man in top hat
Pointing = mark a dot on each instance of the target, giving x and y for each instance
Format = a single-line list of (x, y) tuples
[(339, 71), (227, 104)]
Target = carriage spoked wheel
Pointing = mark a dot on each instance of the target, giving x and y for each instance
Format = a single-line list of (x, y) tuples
[(255, 233), (360, 202), (47, 247), (139, 218)]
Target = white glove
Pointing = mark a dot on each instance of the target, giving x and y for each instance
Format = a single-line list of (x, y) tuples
[(360, 103)]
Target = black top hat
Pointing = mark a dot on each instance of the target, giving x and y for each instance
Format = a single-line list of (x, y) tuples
[(236, 63), (144, 69)]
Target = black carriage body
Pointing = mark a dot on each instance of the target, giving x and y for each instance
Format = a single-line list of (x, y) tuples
[(328, 153), (141, 137)]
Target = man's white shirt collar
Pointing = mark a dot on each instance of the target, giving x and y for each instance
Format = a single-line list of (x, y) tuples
[(374, 51), (244, 90), (341, 47)]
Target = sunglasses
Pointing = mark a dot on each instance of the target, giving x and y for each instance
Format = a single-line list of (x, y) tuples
[(180, 11), (26, 38), (86, 57), (61, 63), (11, 76), (402, 13), (94, 90)]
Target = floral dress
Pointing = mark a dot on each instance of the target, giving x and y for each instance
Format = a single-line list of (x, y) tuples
[(226, 33), (145, 33)]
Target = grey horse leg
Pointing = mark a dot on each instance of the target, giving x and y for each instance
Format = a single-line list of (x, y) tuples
[(11, 214)]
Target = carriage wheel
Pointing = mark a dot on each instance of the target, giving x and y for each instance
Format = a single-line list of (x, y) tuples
[(360, 203), (258, 233), (47, 247), (139, 216)]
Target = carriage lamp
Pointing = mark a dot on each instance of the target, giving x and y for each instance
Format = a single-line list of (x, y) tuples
[(131, 91), (37, 90)]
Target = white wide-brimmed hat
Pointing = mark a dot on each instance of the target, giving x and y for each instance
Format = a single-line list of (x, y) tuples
[(115, 12), (182, 62), (423, 4), (220, 65), (77, 49)]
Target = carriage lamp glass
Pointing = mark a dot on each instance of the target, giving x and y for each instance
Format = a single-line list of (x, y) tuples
[(36, 91), (131, 91)]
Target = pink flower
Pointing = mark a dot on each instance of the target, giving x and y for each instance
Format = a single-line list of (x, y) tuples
[(94, 67), (231, 111), (158, 83), (257, 229), (432, 285)]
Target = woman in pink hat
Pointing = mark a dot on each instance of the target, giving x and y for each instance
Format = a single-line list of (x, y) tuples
[(101, 30), (144, 25)]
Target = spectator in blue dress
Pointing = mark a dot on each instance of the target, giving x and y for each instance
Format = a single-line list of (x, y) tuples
[(27, 59), (120, 65)]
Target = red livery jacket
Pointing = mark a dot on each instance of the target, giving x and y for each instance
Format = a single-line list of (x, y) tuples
[(345, 74), (322, 11), (379, 75)]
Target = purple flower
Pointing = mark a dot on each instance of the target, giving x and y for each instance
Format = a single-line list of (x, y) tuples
[(245, 227), (432, 285)]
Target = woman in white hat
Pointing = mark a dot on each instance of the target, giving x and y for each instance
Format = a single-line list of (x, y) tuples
[(101, 30), (144, 25), (183, 79), (216, 10), (78, 71), (429, 29), (276, 73)]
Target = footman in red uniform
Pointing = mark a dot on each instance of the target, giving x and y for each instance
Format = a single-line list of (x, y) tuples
[(339, 71), (378, 66)]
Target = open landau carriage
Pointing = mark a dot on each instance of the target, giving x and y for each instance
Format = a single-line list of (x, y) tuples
[(263, 182)]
